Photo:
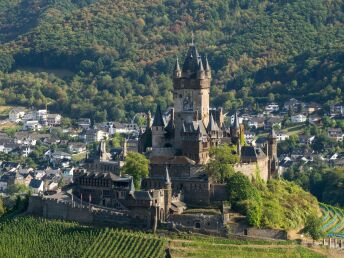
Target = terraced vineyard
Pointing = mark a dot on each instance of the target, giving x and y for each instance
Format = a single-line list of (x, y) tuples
[(40, 238), (36, 238), (333, 221), (234, 248)]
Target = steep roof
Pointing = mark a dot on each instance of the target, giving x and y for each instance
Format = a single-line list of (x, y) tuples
[(158, 119), (212, 126)]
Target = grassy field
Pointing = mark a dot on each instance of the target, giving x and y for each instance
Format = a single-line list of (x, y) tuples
[(36, 238)]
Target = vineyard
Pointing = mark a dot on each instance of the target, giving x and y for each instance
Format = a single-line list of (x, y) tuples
[(37, 238), (332, 221), (32, 237), (209, 247)]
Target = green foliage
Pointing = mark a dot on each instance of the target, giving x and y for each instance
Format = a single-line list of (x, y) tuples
[(223, 157), (324, 183), (2, 207), (276, 204), (313, 227), (136, 165), (259, 50)]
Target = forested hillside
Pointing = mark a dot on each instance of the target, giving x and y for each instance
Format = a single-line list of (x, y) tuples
[(110, 59)]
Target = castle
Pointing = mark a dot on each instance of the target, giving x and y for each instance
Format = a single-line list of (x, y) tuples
[(178, 146), (181, 140)]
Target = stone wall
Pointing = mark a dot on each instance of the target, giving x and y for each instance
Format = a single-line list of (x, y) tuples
[(56, 209), (197, 221), (258, 233), (219, 193), (249, 169)]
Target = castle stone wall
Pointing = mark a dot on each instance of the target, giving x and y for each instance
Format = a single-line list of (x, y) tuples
[(197, 221), (250, 169)]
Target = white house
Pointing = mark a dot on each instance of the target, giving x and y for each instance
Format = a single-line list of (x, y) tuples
[(32, 125), (37, 186), (16, 115), (54, 119), (249, 136), (299, 118), (335, 134), (281, 136), (76, 147), (272, 107)]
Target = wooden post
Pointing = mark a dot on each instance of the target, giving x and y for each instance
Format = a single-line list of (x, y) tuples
[(324, 241), (335, 243)]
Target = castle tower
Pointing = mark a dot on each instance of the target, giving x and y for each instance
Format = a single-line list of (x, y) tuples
[(191, 91), (102, 153), (236, 132), (158, 129), (272, 154), (167, 193)]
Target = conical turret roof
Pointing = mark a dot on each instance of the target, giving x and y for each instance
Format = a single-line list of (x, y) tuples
[(158, 119)]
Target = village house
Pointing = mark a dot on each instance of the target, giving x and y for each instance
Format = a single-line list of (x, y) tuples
[(16, 115), (32, 125), (298, 118), (293, 105), (76, 147), (337, 110), (312, 107), (54, 119), (256, 122), (7, 146), (273, 122), (94, 135), (37, 186), (84, 123), (335, 134), (281, 136), (306, 139), (315, 120), (249, 136), (272, 107)]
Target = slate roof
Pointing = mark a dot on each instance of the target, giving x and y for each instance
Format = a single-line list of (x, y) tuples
[(158, 119), (142, 195), (34, 183)]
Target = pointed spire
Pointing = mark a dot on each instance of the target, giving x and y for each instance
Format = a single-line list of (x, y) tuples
[(212, 126), (273, 133), (177, 70), (177, 66), (158, 119), (132, 186), (167, 176), (192, 38), (149, 120), (236, 121), (207, 66), (200, 65)]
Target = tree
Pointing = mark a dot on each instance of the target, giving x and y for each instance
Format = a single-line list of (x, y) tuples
[(136, 165), (313, 227), (240, 189), (220, 166), (2, 208)]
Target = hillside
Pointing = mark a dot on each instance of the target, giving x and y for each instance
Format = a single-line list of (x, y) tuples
[(121, 53)]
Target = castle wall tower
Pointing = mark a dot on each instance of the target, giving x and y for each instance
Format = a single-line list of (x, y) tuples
[(272, 154), (158, 129), (167, 193), (191, 91)]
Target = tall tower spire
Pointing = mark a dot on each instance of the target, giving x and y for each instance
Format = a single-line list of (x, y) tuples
[(177, 70), (207, 68)]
